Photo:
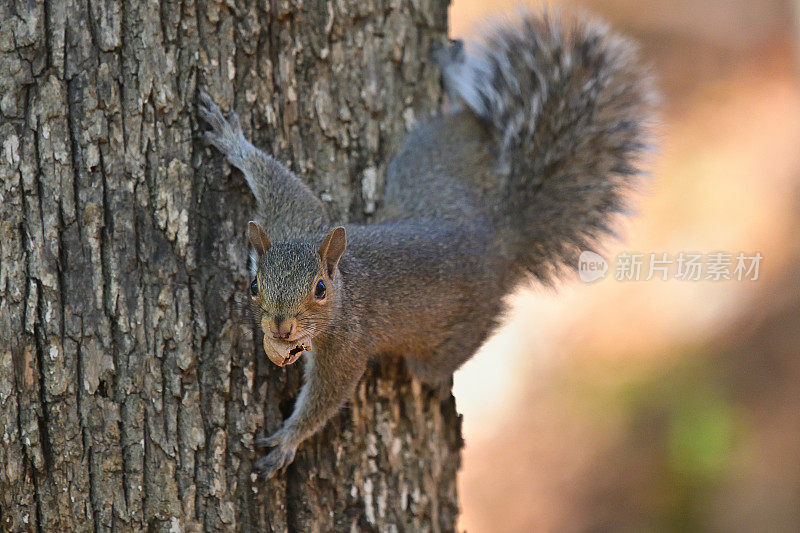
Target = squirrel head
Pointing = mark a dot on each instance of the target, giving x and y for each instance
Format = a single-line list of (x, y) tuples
[(295, 289)]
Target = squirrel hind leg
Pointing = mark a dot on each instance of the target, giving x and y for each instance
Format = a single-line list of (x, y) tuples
[(427, 371), (438, 368), (463, 338)]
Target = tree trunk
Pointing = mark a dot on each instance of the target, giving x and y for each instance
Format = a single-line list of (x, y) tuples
[(131, 385)]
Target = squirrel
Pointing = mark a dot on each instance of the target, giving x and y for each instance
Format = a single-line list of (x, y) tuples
[(549, 120)]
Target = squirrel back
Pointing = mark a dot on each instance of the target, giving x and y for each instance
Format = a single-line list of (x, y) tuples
[(550, 120)]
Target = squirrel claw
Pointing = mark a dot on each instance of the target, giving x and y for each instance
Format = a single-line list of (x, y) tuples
[(225, 135), (278, 459), (209, 111), (206, 99)]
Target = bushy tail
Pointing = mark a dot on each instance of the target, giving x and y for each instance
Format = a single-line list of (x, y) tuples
[(570, 107)]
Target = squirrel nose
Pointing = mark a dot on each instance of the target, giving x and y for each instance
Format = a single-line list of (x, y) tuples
[(284, 329)]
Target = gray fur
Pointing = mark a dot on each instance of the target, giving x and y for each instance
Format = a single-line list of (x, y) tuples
[(569, 108), (531, 169)]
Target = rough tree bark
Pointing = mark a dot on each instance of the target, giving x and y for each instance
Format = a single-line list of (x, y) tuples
[(131, 387)]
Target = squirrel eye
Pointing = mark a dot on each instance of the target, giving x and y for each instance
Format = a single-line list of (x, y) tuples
[(254, 287), (319, 290)]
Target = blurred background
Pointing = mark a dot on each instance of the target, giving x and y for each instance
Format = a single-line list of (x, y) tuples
[(662, 405)]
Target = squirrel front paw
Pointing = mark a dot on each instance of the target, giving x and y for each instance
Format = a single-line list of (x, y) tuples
[(279, 458), (225, 135)]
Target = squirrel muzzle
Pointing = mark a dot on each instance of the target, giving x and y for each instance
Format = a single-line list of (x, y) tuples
[(284, 353)]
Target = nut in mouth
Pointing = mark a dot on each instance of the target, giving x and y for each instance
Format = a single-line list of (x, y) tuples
[(284, 353)]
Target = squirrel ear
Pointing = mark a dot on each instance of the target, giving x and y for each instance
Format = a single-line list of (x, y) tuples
[(258, 237), (332, 248)]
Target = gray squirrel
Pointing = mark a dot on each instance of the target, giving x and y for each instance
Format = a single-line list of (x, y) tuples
[(531, 166)]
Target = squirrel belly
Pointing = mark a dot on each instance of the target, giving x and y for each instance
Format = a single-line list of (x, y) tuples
[(549, 122)]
